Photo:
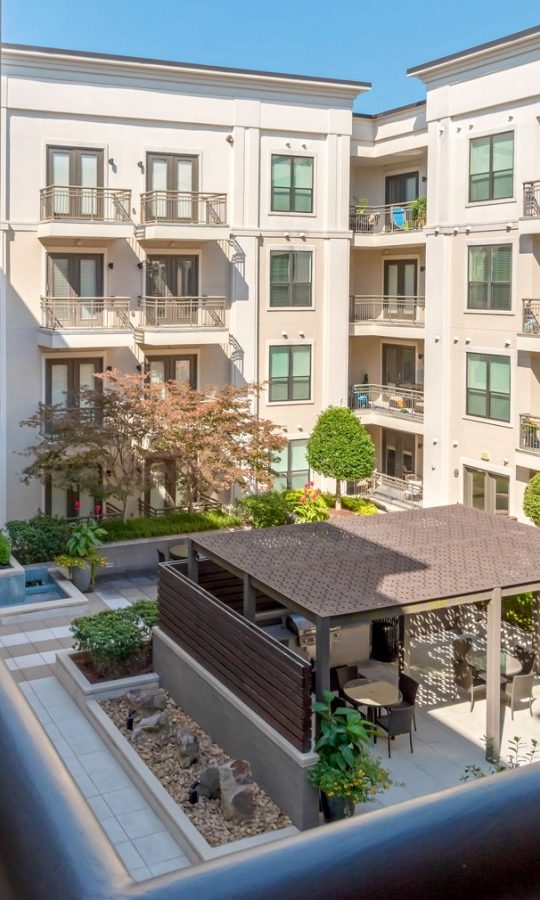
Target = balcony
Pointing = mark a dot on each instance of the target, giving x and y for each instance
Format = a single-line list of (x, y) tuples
[(185, 320), (528, 453), (405, 493), (393, 224), (529, 334), (183, 215), (386, 315), (81, 322), (83, 212), (375, 403)]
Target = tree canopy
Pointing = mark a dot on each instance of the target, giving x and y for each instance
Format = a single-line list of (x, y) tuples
[(531, 499), (340, 447)]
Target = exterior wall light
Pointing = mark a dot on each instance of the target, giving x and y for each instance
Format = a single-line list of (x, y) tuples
[(507, 342), (229, 139), (284, 334)]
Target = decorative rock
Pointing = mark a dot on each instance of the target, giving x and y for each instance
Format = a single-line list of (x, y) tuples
[(148, 700), (209, 783), (237, 790), (189, 750), (159, 722)]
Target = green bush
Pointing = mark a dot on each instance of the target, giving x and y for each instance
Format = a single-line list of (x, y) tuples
[(115, 639), (38, 540), (173, 523), (531, 499), (340, 447), (265, 510), (354, 504), (5, 550), (519, 610)]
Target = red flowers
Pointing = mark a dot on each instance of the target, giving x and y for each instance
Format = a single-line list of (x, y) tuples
[(77, 506), (97, 509)]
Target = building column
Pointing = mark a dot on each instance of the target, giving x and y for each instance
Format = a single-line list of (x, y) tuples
[(193, 563), (322, 658), (493, 676), (250, 603)]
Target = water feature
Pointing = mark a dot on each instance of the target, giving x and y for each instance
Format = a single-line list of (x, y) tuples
[(20, 586)]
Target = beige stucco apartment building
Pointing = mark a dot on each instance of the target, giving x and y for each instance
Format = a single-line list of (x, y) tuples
[(222, 226)]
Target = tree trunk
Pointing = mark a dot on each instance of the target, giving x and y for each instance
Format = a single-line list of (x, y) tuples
[(338, 493), (124, 509)]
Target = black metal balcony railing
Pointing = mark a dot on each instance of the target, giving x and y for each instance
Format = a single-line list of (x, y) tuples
[(531, 317), (183, 312), (531, 199), (389, 400), (94, 204), (80, 313), (59, 417), (404, 310), (183, 207), (390, 218), (529, 433)]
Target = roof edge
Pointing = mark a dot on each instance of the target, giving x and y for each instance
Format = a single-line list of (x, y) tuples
[(515, 37), (92, 55), (390, 112)]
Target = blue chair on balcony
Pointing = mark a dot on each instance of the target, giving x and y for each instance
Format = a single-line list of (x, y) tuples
[(398, 217)]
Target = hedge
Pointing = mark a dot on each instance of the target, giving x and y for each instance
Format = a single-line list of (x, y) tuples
[(173, 523)]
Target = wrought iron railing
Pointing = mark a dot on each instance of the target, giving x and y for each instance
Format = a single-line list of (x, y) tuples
[(183, 207), (59, 417), (406, 492), (529, 433), (531, 317), (531, 199), (391, 217), (84, 312), (396, 310), (201, 505), (183, 312), (391, 400), (85, 204)]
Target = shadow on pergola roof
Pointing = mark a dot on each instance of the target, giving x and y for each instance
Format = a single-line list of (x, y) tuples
[(381, 563)]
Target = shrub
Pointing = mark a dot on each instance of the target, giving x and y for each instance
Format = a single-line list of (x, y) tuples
[(357, 505), (310, 506), (519, 610), (531, 499), (265, 510), (114, 639), (38, 540), (173, 523), (5, 550)]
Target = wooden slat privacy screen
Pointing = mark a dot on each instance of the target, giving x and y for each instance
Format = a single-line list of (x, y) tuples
[(268, 677)]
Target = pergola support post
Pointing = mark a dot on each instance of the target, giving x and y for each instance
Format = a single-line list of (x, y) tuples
[(536, 631), (404, 648), (193, 563), (322, 658), (250, 603), (493, 676)]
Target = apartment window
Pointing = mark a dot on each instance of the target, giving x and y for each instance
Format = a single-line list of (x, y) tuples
[(292, 184), (68, 503), (486, 491), (490, 277), (290, 373), (162, 369), (401, 188), (290, 278), (291, 467), (488, 386), (491, 169)]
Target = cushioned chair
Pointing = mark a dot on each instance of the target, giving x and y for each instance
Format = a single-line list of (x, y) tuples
[(520, 692), (345, 674), (527, 659), (409, 689), (468, 678), (398, 721)]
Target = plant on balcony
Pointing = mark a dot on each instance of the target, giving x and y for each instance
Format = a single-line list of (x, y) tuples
[(346, 772), (531, 499), (340, 448), (418, 215), (5, 550), (360, 205), (82, 557), (310, 506)]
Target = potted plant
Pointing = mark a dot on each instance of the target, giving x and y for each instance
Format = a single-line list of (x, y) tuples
[(418, 209), (346, 772), (82, 557)]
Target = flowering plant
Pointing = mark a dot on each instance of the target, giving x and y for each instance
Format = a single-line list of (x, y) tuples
[(359, 783), (311, 506)]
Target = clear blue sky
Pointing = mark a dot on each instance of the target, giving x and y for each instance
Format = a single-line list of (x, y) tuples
[(368, 41)]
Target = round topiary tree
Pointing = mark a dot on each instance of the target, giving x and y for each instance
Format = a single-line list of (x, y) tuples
[(340, 448), (531, 499)]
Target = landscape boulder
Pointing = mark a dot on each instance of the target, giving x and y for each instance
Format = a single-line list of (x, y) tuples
[(151, 725), (147, 700), (237, 791), (189, 750), (209, 783)]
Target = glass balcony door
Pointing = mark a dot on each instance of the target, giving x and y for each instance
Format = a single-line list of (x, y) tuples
[(400, 280), (401, 188), (173, 179), (74, 174), (399, 365), (399, 453), (75, 276)]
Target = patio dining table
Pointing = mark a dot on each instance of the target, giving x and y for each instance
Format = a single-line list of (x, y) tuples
[(510, 665), (372, 694)]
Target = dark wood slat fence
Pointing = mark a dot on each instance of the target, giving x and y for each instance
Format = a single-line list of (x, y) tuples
[(268, 677)]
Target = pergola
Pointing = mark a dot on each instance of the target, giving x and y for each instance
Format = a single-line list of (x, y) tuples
[(396, 565)]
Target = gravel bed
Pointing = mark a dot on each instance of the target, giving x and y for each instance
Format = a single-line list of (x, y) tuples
[(160, 755)]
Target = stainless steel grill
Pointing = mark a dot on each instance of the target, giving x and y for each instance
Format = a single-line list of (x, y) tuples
[(305, 631)]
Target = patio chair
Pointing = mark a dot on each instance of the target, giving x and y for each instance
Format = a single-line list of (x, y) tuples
[(460, 648), (398, 721), (466, 677), (345, 674), (409, 689), (527, 659), (520, 692)]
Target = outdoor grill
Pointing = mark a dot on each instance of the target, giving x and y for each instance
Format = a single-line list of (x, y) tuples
[(305, 631)]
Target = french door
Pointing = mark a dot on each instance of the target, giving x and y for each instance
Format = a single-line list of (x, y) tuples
[(401, 188), (172, 180), (400, 280), (76, 278), (75, 174), (162, 369), (66, 378), (399, 453), (399, 364), (486, 491), (172, 276)]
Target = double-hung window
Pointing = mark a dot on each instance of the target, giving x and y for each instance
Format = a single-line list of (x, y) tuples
[(290, 278), (490, 277), (292, 184), (291, 467), (491, 170), (290, 373), (488, 386)]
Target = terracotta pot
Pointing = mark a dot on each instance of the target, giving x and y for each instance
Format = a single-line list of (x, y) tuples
[(335, 808)]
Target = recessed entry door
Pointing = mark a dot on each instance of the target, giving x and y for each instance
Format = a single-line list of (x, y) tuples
[(399, 364)]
